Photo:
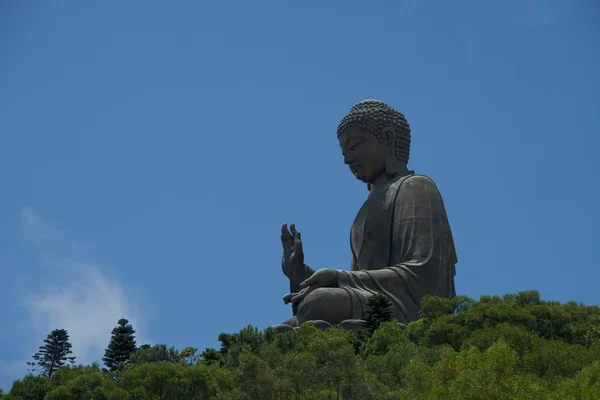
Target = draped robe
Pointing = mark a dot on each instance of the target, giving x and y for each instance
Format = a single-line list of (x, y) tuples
[(402, 247)]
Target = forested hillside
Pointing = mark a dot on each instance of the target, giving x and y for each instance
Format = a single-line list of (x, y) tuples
[(510, 347)]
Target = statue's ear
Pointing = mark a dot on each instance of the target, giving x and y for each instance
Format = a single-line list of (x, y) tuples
[(391, 162)]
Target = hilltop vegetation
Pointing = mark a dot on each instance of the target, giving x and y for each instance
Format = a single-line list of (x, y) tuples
[(511, 347)]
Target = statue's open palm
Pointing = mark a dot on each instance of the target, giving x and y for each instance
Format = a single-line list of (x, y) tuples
[(292, 262)]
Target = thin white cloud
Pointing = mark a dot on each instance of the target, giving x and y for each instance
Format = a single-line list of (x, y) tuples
[(87, 306), (46, 237), (28, 218), (84, 300)]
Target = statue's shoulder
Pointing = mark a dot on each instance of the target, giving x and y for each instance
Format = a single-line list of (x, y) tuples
[(413, 179)]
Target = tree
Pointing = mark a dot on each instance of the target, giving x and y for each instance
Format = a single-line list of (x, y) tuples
[(81, 382), (434, 307), (31, 387), (499, 347), (54, 353), (210, 356), (380, 310), (121, 345), (156, 353), (189, 355)]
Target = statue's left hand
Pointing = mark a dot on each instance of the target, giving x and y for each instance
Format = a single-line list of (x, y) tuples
[(292, 262), (326, 277)]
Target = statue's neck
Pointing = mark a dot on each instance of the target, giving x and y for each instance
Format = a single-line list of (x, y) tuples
[(386, 178)]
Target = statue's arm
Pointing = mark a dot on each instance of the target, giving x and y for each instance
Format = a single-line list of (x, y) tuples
[(354, 265), (300, 276), (305, 273)]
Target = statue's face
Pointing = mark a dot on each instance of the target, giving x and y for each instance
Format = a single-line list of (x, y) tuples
[(363, 153)]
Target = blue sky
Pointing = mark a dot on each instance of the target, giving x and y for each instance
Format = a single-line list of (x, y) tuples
[(150, 151)]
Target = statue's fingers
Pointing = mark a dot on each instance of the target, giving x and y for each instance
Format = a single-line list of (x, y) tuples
[(298, 243), (293, 229), (287, 240), (301, 295), (298, 298), (310, 281), (288, 297), (284, 230)]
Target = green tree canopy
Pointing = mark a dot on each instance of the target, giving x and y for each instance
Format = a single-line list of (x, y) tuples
[(53, 354), (121, 345), (516, 346), (379, 311)]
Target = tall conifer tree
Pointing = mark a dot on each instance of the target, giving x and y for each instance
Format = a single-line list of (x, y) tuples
[(380, 311), (122, 344), (53, 354)]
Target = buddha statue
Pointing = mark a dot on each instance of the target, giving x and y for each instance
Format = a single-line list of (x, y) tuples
[(401, 241)]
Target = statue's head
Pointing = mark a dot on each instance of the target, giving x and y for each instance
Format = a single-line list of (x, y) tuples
[(375, 140)]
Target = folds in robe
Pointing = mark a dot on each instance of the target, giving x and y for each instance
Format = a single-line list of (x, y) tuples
[(402, 247)]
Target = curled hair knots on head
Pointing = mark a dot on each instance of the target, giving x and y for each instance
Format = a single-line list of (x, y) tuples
[(374, 116)]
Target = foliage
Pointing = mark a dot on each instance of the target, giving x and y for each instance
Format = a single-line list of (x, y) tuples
[(157, 353), (53, 354), (379, 311), (511, 347), (122, 344)]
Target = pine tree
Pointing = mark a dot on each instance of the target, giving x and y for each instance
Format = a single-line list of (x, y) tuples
[(380, 311), (121, 345), (54, 353)]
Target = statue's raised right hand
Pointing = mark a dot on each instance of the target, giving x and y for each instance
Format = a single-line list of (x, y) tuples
[(292, 262)]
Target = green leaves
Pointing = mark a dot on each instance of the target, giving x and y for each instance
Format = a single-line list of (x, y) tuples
[(511, 347), (379, 311), (53, 354), (121, 346)]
